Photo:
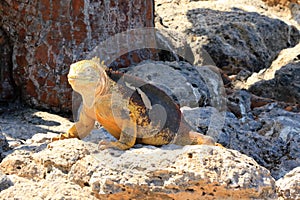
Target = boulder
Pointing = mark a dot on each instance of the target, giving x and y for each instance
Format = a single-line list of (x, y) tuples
[(269, 134), (235, 35), (280, 82), (285, 86), (74, 167), (285, 57), (47, 36), (188, 85), (189, 89), (288, 187)]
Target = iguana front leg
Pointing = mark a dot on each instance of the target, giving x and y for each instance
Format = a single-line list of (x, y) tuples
[(71, 133), (80, 129), (127, 138)]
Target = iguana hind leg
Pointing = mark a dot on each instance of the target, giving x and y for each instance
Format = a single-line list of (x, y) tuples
[(187, 136), (198, 138)]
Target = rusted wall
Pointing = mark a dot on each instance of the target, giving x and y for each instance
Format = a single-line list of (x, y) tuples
[(49, 35)]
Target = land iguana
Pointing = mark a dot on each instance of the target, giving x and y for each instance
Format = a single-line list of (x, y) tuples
[(130, 109)]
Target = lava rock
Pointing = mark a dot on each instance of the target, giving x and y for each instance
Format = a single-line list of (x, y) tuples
[(78, 168), (47, 36), (285, 86), (5, 182), (180, 80), (269, 134), (235, 39)]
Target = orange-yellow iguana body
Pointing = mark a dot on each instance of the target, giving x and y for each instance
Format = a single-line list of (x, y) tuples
[(130, 109)]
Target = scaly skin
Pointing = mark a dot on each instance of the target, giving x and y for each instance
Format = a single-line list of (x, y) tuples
[(126, 111)]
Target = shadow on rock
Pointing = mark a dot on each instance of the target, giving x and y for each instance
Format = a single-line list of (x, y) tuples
[(28, 129)]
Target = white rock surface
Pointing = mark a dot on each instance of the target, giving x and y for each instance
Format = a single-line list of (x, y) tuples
[(288, 187), (76, 168)]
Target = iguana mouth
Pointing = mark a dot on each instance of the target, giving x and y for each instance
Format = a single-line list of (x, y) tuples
[(74, 77)]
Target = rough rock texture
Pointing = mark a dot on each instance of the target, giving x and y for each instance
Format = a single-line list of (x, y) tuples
[(48, 36), (235, 38), (281, 81), (54, 189), (19, 124), (7, 90), (288, 187), (280, 2), (238, 37), (170, 172), (193, 93), (284, 87), (285, 57), (5, 182), (295, 12), (269, 134), (4, 146), (264, 129), (259, 139)]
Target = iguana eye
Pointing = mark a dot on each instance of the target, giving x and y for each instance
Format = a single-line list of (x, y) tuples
[(88, 69)]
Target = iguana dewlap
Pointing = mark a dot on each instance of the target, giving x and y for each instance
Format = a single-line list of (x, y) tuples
[(130, 109)]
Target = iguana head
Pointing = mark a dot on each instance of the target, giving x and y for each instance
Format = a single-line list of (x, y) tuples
[(88, 77)]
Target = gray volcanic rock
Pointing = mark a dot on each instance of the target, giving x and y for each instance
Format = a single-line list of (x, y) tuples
[(268, 134), (180, 80), (285, 86), (186, 84), (260, 136), (5, 182), (21, 124), (285, 57), (235, 39)]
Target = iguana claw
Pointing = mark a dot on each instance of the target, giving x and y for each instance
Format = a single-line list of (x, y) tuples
[(63, 136), (103, 145), (72, 133), (219, 145), (115, 145)]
